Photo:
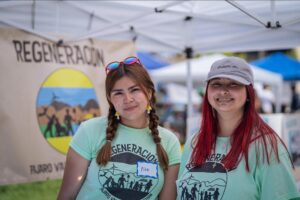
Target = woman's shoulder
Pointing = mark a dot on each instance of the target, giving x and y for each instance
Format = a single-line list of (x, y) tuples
[(164, 132), (93, 126), (167, 134), (89, 136), (272, 145), (95, 122), (268, 140), (191, 140)]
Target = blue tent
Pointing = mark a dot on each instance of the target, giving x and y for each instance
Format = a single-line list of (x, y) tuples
[(280, 63), (151, 62)]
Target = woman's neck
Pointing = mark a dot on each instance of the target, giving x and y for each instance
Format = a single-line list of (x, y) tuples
[(138, 124), (228, 123)]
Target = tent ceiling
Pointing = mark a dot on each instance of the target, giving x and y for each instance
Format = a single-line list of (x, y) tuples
[(166, 26)]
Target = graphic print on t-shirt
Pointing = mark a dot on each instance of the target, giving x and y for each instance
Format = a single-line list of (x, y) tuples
[(207, 182), (119, 179)]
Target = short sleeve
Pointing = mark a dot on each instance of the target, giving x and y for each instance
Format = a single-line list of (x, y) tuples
[(276, 180), (174, 152), (171, 145), (185, 155), (81, 143)]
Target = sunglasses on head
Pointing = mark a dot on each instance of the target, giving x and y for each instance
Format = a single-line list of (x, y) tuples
[(128, 61)]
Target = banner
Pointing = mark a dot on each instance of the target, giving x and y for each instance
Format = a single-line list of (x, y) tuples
[(47, 90)]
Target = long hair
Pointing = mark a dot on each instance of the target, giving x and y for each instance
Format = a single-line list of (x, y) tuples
[(252, 128), (137, 73)]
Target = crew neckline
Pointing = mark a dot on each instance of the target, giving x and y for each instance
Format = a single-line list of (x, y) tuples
[(131, 129), (223, 139)]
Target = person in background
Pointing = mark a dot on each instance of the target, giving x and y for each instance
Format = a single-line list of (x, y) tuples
[(125, 155), (295, 104), (267, 100), (257, 104), (235, 155)]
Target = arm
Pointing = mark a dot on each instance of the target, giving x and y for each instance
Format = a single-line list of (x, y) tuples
[(74, 175), (169, 188)]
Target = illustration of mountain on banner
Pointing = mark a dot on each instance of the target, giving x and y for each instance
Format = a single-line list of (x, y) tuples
[(66, 98)]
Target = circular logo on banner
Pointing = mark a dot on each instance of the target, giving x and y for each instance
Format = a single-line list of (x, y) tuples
[(66, 98)]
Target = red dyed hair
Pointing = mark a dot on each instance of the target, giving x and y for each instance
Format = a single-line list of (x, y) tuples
[(252, 128)]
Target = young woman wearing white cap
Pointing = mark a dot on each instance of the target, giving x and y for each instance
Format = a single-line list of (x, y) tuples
[(235, 155)]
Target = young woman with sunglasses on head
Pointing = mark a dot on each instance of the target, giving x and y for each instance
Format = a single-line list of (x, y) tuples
[(125, 155), (235, 155)]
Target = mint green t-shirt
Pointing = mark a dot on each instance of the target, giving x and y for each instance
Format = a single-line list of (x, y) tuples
[(212, 181), (133, 171)]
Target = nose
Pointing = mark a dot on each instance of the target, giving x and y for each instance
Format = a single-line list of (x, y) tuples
[(127, 97), (224, 89)]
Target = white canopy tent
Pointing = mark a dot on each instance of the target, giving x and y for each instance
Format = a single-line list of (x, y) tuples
[(177, 94), (163, 26), (200, 68)]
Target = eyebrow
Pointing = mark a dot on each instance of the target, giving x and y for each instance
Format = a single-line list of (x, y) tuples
[(120, 90)]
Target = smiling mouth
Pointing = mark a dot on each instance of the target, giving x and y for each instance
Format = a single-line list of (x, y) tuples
[(130, 108), (222, 100)]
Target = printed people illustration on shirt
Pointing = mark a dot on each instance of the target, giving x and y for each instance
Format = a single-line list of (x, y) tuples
[(148, 186), (121, 181), (211, 187), (127, 184), (193, 191), (137, 189)]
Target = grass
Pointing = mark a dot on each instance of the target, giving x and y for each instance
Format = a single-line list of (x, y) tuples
[(43, 190)]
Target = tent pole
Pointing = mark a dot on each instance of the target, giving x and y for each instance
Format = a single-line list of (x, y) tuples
[(189, 83), (33, 7), (273, 11), (278, 101)]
